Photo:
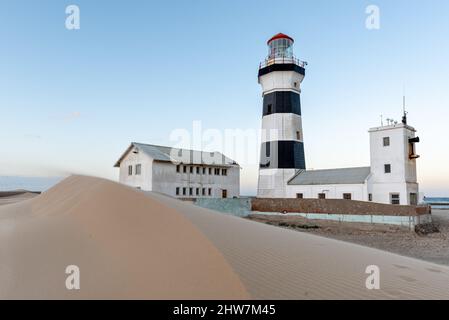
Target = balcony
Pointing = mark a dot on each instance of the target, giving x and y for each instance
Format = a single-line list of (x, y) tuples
[(282, 64)]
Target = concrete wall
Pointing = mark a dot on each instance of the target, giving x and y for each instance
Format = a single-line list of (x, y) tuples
[(281, 126), (333, 206), (281, 81), (273, 182), (358, 191), (166, 179), (403, 176), (142, 181), (235, 207)]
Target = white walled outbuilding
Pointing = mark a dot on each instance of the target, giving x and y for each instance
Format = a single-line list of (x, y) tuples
[(391, 178), (199, 175)]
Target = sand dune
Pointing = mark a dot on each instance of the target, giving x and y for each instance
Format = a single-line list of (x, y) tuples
[(130, 244)]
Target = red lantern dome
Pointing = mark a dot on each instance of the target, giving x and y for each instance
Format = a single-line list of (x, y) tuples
[(280, 36)]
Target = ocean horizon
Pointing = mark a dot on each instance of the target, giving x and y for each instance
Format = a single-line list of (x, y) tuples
[(35, 184)]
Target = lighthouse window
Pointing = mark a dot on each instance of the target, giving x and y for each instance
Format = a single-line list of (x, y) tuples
[(395, 198), (269, 109), (387, 168), (298, 135), (386, 141), (268, 149)]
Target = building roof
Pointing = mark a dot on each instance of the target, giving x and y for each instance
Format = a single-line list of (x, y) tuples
[(280, 36), (175, 155), (331, 176)]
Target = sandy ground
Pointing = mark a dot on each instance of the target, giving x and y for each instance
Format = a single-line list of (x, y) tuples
[(5, 198), (432, 247), (129, 244)]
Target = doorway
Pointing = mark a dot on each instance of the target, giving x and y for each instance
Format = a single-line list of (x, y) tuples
[(224, 194)]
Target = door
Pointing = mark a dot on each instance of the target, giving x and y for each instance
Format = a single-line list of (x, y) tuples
[(413, 199), (224, 194)]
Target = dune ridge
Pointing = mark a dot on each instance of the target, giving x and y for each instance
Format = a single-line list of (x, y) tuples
[(135, 245)]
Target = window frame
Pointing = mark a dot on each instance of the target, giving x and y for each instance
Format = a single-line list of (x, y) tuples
[(347, 196), (393, 198), (386, 141), (387, 171)]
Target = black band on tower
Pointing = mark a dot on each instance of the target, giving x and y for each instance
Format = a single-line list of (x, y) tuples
[(282, 67), (281, 102), (282, 155)]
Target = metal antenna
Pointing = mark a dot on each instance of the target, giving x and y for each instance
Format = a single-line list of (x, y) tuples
[(404, 117)]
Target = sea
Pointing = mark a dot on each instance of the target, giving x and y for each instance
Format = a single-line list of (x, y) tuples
[(35, 184), (437, 203)]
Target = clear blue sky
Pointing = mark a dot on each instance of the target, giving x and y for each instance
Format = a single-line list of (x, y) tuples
[(72, 101)]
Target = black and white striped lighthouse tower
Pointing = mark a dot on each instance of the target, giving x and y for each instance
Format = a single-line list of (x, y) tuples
[(282, 150)]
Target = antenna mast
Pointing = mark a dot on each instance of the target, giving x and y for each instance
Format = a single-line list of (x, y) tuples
[(404, 117)]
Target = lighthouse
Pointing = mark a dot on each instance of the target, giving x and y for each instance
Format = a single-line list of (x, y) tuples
[(282, 149)]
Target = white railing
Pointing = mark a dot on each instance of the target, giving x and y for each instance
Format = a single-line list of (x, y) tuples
[(282, 60)]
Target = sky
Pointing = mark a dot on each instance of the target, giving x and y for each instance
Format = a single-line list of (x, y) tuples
[(71, 101)]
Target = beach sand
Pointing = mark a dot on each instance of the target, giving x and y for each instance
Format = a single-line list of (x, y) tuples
[(130, 244)]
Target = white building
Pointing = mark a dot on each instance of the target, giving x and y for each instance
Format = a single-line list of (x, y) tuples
[(179, 173), (391, 178)]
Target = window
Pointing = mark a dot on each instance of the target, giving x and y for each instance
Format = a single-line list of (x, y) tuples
[(299, 196), (197, 191), (386, 141), (298, 135), (177, 191), (269, 109), (138, 169), (210, 171), (204, 170), (413, 199), (209, 192), (321, 196), (370, 197), (191, 169), (197, 170), (184, 169), (178, 168), (190, 191), (268, 149), (130, 170), (224, 172), (387, 168), (395, 198), (347, 196), (204, 191), (217, 171), (184, 191), (224, 194)]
